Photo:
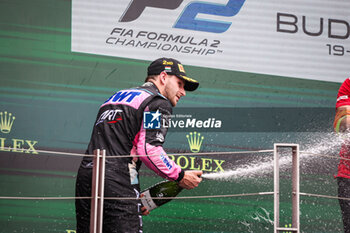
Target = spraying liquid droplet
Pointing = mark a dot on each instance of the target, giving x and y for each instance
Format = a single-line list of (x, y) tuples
[(327, 143)]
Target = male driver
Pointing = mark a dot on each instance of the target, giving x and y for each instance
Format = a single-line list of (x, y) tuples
[(131, 122)]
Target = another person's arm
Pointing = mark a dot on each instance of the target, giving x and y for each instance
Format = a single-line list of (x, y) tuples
[(342, 119)]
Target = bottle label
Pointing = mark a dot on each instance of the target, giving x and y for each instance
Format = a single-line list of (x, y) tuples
[(147, 201)]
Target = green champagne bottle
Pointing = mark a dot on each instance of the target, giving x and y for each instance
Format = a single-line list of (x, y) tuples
[(162, 189)]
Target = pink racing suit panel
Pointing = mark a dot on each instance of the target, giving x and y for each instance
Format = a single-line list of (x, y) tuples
[(157, 160), (149, 142), (160, 163)]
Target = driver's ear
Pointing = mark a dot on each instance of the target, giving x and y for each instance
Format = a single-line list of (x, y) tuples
[(162, 77)]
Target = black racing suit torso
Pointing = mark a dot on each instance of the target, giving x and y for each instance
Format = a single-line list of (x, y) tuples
[(120, 129)]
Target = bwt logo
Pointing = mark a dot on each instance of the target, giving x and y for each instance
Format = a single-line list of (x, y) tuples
[(187, 19)]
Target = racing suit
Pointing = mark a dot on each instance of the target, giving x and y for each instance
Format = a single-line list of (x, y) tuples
[(119, 129), (343, 176)]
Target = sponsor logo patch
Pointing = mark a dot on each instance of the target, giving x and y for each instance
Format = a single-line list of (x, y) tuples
[(110, 115), (343, 97), (166, 162)]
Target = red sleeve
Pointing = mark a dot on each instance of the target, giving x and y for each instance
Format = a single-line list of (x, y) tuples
[(343, 94)]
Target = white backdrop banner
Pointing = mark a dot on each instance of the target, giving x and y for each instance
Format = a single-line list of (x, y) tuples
[(293, 38)]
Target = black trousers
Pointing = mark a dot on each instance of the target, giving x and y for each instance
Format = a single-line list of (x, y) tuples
[(119, 216), (344, 191)]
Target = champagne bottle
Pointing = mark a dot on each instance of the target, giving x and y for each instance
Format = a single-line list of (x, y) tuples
[(162, 189)]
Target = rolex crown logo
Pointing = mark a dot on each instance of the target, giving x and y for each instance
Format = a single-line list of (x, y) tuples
[(6, 122), (195, 141)]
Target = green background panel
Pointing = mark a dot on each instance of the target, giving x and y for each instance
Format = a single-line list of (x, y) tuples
[(55, 94)]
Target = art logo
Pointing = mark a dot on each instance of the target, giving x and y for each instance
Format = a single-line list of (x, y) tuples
[(6, 122), (194, 141), (151, 120), (111, 116), (189, 17), (14, 144)]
